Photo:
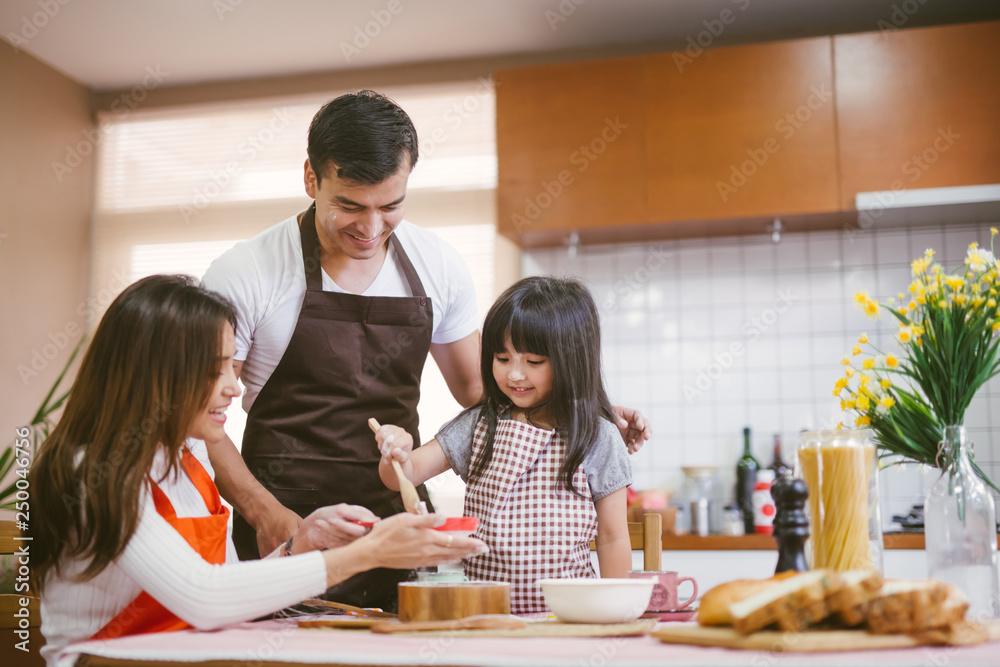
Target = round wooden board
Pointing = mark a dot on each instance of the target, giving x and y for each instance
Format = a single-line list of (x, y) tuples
[(444, 601)]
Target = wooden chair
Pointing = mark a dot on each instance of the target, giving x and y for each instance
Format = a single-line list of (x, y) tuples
[(10, 604), (647, 536)]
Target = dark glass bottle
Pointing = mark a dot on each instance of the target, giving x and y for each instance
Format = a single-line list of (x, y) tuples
[(777, 465), (746, 480)]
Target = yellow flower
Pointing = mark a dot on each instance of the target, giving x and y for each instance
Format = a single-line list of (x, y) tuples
[(955, 282), (900, 296), (921, 299), (886, 383), (871, 309), (846, 361), (850, 371), (839, 386), (868, 364), (993, 231), (905, 333), (884, 404), (891, 361), (863, 338), (992, 303), (861, 298), (840, 425), (996, 326), (960, 299), (942, 304), (863, 403), (929, 252), (919, 266), (856, 350), (911, 306), (863, 420), (978, 301)]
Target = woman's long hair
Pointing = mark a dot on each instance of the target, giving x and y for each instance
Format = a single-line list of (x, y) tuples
[(148, 372), (555, 318)]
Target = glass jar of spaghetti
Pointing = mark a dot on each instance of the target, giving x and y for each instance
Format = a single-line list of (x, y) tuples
[(841, 469)]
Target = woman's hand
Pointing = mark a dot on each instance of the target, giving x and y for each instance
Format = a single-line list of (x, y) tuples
[(403, 542), (332, 526), (407, 541), (635, 428)]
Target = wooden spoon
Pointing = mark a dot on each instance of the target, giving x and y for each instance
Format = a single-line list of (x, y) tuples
[(481, 622), (411, 499)]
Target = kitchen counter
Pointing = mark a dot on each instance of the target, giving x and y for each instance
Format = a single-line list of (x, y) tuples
[(755, 542)]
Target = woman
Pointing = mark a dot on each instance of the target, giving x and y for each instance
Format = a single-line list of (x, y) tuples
[(130, 534)]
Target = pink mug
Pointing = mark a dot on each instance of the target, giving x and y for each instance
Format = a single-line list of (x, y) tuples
[(664, 596)]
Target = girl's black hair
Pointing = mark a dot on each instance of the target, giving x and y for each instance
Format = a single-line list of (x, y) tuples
[(555, 318)]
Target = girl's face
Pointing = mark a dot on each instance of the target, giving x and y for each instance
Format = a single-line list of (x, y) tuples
[(210, 423), (526, 379)]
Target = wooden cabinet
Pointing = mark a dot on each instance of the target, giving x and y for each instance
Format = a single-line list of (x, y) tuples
[(741, 132), (918, 108), (570, 147), (642, 147)]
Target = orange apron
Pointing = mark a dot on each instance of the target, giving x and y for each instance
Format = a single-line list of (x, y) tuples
[(206, 535)]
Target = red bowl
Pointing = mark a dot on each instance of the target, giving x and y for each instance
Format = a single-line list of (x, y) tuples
[(464, 524)]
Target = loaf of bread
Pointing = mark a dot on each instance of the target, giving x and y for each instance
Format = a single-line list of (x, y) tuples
[(794, 603), (714, 606), (912, 606), (851, 602)]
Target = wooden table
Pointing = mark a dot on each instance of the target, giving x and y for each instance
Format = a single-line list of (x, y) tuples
[(282, 644)]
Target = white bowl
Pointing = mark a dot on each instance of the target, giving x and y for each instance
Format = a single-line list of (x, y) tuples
[(597, 600)]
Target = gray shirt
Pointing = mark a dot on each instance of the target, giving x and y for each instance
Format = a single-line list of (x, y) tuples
[(606, 465)]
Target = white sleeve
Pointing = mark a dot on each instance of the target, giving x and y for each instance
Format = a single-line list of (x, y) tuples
[(234, 275), (460, 317), (208, 596)]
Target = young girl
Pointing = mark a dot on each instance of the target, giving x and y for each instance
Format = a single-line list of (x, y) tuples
[(129, 532), (545, 465)]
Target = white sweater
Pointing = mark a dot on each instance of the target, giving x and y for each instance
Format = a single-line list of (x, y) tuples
[(159, 561)]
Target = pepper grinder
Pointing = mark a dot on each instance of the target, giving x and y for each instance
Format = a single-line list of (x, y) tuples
[(791, 523)]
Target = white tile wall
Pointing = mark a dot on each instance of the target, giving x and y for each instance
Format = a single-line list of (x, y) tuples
[(692, 300)]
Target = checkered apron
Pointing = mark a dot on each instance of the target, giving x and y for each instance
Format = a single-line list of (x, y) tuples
[(535, 528)]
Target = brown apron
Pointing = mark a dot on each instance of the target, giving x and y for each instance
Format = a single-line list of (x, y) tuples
[(307, 439), (535, 527)]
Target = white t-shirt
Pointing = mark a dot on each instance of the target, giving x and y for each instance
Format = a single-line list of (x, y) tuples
[(159, 561), (265, 279)]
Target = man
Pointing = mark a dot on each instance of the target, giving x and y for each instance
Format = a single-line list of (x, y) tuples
[(337, 310)]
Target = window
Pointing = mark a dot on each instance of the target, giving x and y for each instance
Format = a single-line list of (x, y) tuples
[(176, 188)]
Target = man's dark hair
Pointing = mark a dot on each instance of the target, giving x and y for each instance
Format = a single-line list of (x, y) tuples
[(365, 136)]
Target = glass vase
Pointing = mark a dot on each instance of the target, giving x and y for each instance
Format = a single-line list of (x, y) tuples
[(960, 528)]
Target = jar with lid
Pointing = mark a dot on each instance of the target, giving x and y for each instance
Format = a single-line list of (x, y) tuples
[(840, 467), (699, 491)]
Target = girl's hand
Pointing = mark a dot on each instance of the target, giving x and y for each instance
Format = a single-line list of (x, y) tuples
[(635, 428), (407, 541), (332, 526), (394, 443)]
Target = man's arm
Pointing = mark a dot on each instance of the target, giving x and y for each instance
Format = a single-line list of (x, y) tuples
[(459, 364), (273, 521)]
